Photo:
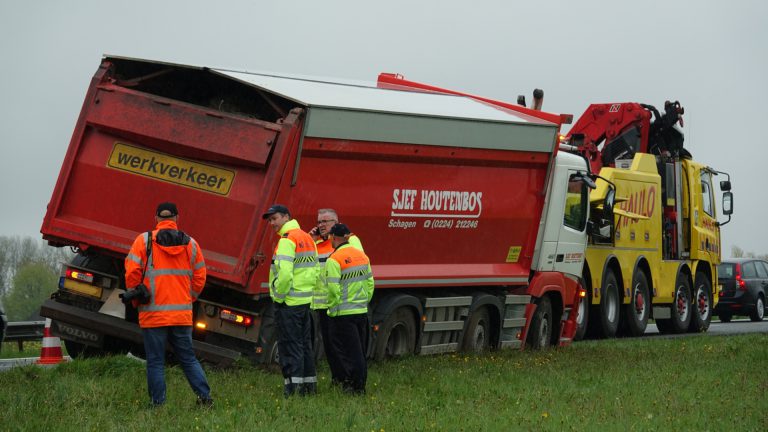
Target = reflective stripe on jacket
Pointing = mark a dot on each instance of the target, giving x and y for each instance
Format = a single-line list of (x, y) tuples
[(293, 273), (175, 275), (324, 250), (349, 281)]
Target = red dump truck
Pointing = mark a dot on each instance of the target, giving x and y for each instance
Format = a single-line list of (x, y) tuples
[(460, 206)]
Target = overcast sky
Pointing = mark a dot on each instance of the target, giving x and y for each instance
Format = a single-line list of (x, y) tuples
[(712, 56)]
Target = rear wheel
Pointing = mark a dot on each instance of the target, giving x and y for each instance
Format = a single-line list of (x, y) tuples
[(477, 337), (701, 315), (759, 312), (397, 337), (608, 319), (582, 319), (638, 310), (680, 309), (540, 331)]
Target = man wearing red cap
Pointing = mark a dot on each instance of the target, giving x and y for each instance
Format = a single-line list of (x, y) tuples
[(168, 266)]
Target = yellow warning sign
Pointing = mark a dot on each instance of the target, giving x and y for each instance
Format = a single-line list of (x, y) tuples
[(514, 254), (171, 169)]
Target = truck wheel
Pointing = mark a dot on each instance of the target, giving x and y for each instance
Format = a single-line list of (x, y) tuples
[(725, 317), (540, 331), (77, 350), (582, 319), (638, 310), (681, 306), (759, 312), (607, 322), (701, 315), (397, 337), (112, 346), (477, 337)]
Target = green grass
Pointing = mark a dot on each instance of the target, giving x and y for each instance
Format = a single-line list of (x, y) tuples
[(705, 383)]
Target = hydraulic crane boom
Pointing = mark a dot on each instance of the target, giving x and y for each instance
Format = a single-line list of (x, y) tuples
[(606, 132)]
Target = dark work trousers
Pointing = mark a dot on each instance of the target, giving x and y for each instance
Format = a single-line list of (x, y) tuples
[(349, 339), (295, 347), (324, 321)]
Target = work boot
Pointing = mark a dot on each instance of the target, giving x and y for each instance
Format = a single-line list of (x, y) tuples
[(204, 402), (289, 389), (308, 389)]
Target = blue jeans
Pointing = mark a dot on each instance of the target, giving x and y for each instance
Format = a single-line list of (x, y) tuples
[(180, 338)]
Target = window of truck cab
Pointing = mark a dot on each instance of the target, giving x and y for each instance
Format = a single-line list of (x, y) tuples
[(576, 201), (706, 193)]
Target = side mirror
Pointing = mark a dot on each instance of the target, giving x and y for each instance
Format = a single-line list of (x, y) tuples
[(610, 200), (725, 185), (727, 203)]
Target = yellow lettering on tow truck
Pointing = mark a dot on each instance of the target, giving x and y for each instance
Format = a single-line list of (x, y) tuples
[(171, 169)]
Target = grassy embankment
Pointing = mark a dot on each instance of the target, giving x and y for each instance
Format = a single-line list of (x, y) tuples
[(702, 383)]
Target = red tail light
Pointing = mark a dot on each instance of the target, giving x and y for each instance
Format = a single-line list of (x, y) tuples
[(742, 285), (79, 275), (236, 318)]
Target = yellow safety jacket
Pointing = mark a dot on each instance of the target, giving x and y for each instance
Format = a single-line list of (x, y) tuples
[(349, 281), (293, 274), (324, 250)]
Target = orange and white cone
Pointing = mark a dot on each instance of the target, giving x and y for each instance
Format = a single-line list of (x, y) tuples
[(50, 354)]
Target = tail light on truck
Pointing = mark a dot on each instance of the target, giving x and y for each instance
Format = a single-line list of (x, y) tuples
[(85, 282)]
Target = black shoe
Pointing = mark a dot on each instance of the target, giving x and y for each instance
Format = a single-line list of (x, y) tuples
[(308, 389), (204, 402), (289, 389), (155, 405)]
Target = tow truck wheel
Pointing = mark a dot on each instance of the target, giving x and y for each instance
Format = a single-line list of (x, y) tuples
[(638, 310), (397, 337), (540, 332), (608, 320), (478, 334), (681, 306), (701, 315)]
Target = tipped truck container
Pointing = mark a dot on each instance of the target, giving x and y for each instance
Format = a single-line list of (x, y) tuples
[(461, 206)]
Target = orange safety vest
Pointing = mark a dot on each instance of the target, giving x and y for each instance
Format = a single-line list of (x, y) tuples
[(175, 276)]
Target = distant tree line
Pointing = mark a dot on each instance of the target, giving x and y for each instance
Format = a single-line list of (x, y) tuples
[(29, 274), (737, 252)]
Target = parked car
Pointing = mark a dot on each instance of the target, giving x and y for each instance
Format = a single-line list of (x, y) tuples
[(744, 284), (3, 325)]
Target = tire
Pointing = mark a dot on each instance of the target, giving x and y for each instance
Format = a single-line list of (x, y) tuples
[(638, 310), (607, 322), (540, 331), (725, 317), (477, 336), (759, 312), (397, 337), (680, 308), (701, 312)]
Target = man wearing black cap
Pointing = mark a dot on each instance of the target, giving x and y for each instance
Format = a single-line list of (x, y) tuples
[(168, 266), (349, 280), (292, 278)]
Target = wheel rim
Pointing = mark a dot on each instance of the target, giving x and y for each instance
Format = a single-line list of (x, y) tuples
[(682, 303), (760, 307), (582, 311), (544, 331), (612, 310), (479, 336), (702, 302), (640, 303), (397, 344)]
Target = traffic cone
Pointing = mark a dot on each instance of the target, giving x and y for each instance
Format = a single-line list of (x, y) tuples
[(50, 354)]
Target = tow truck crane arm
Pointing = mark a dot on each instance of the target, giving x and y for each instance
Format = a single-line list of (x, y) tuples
[(606, 132)]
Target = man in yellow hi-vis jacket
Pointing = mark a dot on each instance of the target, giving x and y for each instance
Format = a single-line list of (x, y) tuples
[(349, 279), (292, 278)]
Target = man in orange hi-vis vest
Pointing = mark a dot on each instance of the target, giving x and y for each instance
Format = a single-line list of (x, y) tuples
[(168, 266)]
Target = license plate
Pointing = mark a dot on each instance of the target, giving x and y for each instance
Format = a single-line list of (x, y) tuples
[(77, 334), (82, 288)]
